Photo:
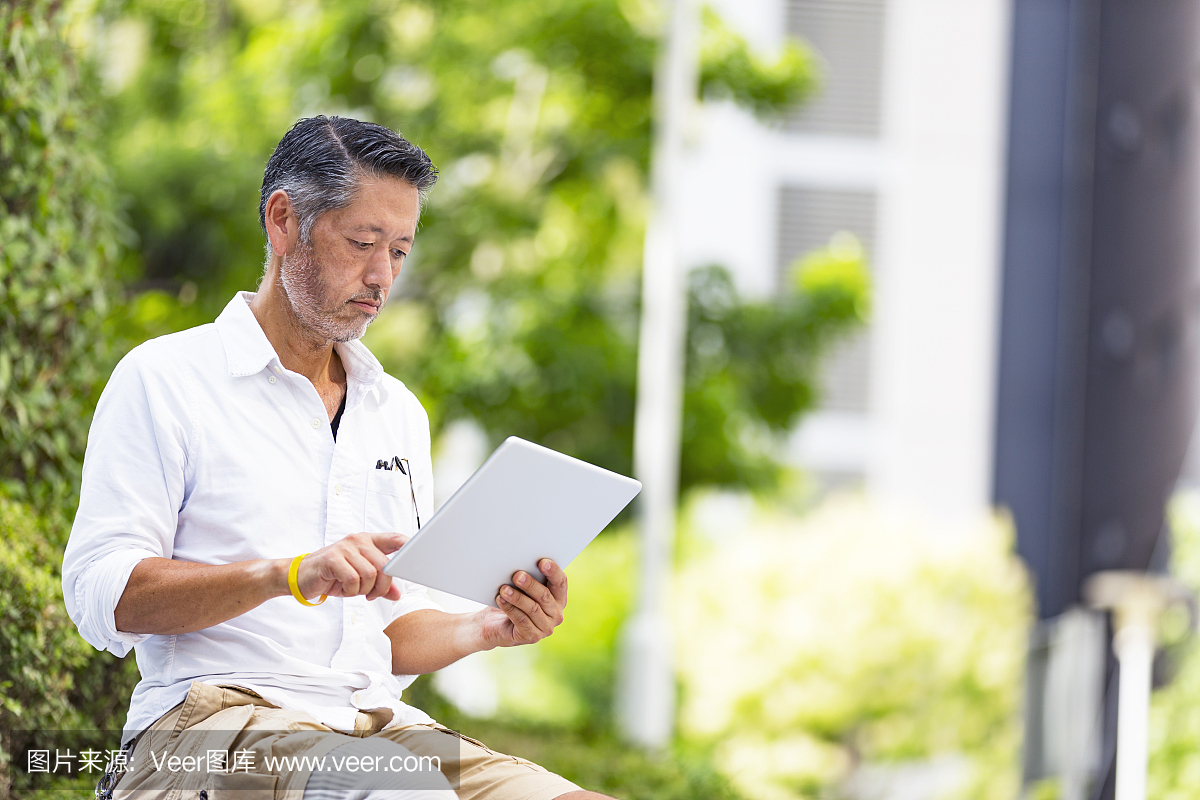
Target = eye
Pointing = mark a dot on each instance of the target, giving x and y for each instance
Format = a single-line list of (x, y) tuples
[(361, 245), (398, 253)]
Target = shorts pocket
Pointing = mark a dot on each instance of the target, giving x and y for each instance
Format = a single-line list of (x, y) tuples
[(248, 785)]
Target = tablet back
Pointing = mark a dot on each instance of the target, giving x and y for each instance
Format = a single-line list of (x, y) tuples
[(525, 503)]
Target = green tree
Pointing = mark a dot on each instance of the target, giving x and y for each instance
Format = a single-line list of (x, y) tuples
[(519, 305)]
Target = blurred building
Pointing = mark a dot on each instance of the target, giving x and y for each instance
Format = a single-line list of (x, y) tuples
[(903, 148)]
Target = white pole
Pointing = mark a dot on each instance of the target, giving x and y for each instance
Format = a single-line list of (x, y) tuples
[(1134, 646), (646, 684), (1137, 600)]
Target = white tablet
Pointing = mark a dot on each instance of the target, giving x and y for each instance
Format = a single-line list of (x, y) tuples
[(524, 504)]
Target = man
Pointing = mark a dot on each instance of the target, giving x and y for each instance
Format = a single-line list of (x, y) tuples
[(237, 475)]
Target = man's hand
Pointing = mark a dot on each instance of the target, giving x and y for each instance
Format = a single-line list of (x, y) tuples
[(427, 640), (174, 597), (352, 567), (528, 613)]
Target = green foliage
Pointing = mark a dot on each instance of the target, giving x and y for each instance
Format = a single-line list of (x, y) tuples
[(856, 639), (1174, 765), (730, 69), (60, 235), (519, 305), (50, 679), (60, 239), (752, 366), (39, 648)]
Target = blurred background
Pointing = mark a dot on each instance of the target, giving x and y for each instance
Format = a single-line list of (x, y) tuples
[(934, 268)]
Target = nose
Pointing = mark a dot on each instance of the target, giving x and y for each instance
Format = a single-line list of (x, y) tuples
[(379, 270)]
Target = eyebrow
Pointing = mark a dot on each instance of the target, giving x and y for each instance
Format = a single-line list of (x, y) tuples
[(381, 232)]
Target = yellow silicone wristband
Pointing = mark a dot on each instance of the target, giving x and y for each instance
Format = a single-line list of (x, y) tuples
[(293, 571)]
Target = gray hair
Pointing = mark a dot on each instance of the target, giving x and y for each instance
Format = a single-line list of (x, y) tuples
[(321, 162)]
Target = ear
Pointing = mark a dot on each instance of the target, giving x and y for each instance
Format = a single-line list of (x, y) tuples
[(283, 228)]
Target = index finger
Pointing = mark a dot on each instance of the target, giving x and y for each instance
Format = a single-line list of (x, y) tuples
[(383, 581), (388, 542), (556, 580)]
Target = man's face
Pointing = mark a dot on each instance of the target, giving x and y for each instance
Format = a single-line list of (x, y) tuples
[(337, 284)]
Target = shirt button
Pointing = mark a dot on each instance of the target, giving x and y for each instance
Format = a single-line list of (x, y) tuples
[(316, 423), (271, 379), (353, 617), (337, 489), (278, 369)]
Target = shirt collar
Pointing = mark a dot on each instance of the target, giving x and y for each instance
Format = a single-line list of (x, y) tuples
[(249, 351), (359, 362)]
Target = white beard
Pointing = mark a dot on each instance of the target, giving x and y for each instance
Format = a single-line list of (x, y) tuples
[(330, 319)]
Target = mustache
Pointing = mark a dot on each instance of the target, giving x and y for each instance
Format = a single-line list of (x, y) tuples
[(375, 297)]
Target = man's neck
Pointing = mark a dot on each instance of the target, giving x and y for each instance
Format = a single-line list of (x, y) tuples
[(298, 348)]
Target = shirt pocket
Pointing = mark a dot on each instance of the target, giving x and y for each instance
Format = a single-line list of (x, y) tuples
[(389, 503)]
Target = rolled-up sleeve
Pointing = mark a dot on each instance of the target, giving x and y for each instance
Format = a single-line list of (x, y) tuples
[(413, 597), (132, 489), (98, 589)]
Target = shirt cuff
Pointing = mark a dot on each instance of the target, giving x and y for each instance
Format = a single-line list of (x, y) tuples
[(98, 590)]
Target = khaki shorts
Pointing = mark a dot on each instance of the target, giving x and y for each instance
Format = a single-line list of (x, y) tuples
[(226, 741)]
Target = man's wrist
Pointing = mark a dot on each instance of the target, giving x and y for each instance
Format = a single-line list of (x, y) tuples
[(274, 577), (471, 637)]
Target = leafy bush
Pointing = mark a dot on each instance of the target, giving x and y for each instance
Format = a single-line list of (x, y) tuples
[(850, 640), (50, 678), (39, 648), (60, 237)]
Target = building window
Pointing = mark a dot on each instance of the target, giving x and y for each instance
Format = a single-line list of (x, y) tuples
[(808, 218), (848, 37)]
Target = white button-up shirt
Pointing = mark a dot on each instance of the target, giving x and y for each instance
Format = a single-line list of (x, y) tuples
[(204, 448)]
